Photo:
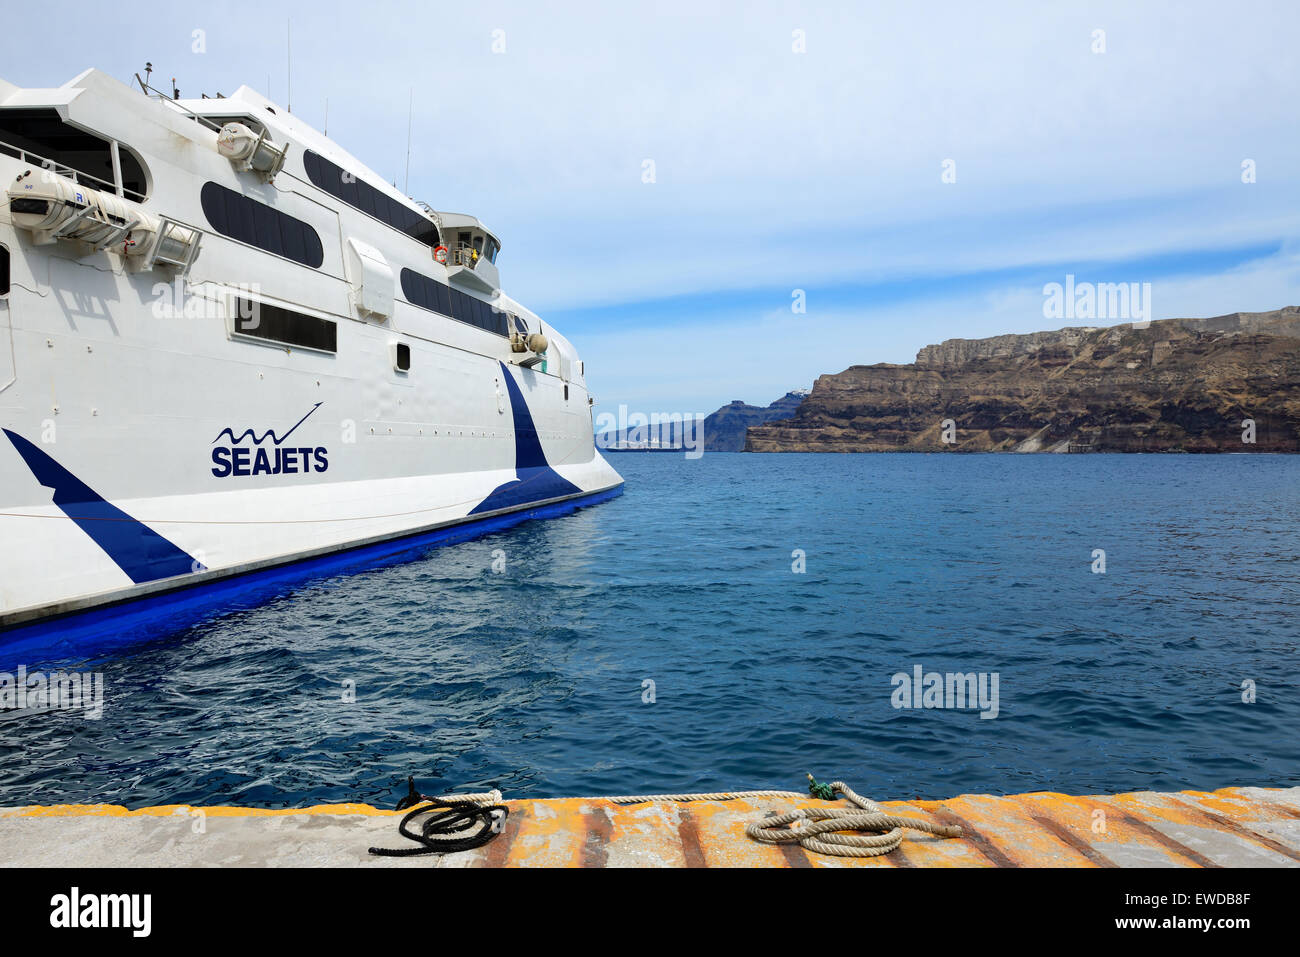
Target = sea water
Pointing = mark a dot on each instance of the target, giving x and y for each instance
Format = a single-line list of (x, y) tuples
[(733, 622)]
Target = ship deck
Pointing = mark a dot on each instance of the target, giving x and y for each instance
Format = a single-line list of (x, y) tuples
[(1233, 827)]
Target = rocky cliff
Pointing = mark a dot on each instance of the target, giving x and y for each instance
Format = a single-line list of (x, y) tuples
[(1173, 385), (724, 430)]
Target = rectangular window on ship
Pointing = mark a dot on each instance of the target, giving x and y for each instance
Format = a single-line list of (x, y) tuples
[(277, 324)]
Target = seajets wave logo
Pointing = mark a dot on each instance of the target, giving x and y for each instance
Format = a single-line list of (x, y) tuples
[(235, 458)]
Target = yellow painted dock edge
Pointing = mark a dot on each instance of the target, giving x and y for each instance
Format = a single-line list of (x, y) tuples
[(1252, 827)]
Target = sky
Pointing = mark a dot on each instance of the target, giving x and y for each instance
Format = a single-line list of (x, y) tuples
[(671, 181)]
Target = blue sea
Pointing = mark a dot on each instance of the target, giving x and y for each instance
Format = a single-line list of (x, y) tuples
[(734, 622)]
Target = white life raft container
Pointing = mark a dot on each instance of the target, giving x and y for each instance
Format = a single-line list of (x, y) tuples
[(249, 150), (54, 207)]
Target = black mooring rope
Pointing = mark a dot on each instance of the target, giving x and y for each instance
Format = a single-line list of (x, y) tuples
[(448, 827)]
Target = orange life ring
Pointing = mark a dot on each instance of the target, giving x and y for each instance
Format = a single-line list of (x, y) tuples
[(440, 254)]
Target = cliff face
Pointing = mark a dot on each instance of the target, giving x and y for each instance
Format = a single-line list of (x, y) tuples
[(721, 431), (724, 430), (1176, 385)]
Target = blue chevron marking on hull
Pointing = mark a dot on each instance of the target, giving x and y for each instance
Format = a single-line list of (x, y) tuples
[(138, 550), (535, 480)]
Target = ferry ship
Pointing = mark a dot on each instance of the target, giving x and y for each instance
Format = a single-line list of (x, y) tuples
[(226, 345)]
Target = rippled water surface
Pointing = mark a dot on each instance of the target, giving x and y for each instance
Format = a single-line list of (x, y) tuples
[(531, 679)]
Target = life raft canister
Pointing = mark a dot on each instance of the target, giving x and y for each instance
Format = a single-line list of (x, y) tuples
[(440, 254)]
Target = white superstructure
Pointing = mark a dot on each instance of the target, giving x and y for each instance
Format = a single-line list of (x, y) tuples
[(226, 344)]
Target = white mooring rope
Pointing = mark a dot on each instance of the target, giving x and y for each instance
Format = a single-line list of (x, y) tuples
[(489, 797), (816, 829), (684, 798), (820, 829)]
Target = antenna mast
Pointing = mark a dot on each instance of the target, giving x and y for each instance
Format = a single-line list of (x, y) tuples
[(410, 110), (288, 42)]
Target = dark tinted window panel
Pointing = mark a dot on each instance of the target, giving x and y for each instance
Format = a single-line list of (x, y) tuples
[(266, 230), (403, 357), (412, 222), (431, 294), (294, 238), (239, 217), (336, 181), (469, 307), (277, 324), (468, 310), (356, 193), (4, 271), (443, 301), (494, 320), (423, 291)]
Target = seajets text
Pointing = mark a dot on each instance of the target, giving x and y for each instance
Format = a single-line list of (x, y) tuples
[(245, 461), (238, 459)]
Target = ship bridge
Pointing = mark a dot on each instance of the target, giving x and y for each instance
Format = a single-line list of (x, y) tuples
[(471, 252)]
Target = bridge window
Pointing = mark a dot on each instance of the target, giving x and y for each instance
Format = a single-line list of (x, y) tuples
[(277, 324), (347, 186), (40, 137), (239, 217), (4, 271)]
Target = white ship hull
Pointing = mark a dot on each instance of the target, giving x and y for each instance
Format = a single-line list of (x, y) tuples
[(148, 446)]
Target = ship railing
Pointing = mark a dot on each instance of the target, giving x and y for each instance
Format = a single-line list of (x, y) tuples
[(154, 93), (59, 169), (187, 112), (464, 255)]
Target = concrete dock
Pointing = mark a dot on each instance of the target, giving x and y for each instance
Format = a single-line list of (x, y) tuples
[(1233, 827)]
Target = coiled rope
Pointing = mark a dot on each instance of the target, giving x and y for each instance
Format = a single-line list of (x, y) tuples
[(460, 822), (821, 829), (815, 829), (456, 822)]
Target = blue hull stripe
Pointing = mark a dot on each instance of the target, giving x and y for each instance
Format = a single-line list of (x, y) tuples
[(535, 480), (138, 550), (103, 631)]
